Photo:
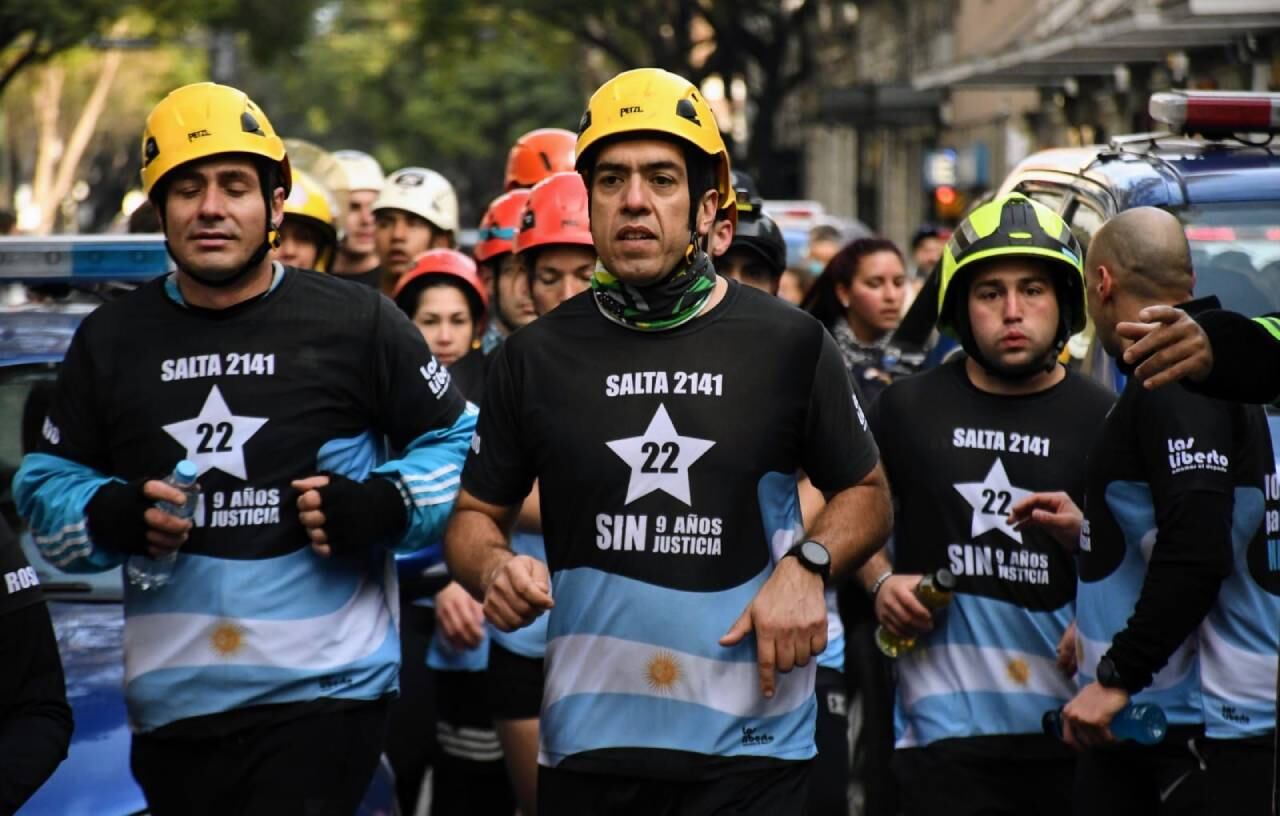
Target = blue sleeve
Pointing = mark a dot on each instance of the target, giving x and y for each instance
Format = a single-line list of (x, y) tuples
[(52, 494), (428, 474)]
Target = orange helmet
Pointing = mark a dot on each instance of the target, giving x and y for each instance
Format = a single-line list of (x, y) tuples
[(497, 233), (556, 213), (538, 154), (449, 264)]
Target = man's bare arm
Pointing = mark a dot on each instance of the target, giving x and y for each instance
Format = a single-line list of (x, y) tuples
[(515, 589), (855, 523)]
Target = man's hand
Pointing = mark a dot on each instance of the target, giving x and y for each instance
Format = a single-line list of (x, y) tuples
[(517, 592), (1067, 661), (165, 533), (1055, 512), (1170, 345), (899, 610), (310, 514), (789, 617), (461, 617), (1086, 720)]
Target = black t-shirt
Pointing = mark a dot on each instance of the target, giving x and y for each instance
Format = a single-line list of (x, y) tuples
[(660, 459), (19, 585), (257, 395), (468, 375), (1175, 503), (958, 459), (372, 278)]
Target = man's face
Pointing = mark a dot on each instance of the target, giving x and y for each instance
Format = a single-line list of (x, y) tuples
[(927, 254), (559, 273), (747, 267), (359, 222), (401, 237), (515, 307), (215, 218), (298, 246), (640, 209), (1013, 312)]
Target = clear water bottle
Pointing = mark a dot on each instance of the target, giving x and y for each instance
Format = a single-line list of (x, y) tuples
[(146, 572), (934, 591), (1143, 723)]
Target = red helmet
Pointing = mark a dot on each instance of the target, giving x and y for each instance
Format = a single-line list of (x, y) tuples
[(499, 225), (538, 154), (556, 213), (449, 264)]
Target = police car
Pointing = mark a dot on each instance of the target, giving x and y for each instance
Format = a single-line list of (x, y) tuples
[(47, 286), (1215, 168)]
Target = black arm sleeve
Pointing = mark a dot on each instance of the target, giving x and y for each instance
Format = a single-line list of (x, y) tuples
[(1186, 443), (1188, 564), (499, 468), (838, 447), (1246, 357), (35, 720)]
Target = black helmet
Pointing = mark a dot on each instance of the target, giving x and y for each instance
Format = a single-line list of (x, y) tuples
[(758, 232)]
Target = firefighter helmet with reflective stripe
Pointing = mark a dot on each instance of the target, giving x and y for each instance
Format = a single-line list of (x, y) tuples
[(1011, 226)]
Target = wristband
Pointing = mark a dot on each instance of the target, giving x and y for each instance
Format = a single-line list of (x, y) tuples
[(879, 582)]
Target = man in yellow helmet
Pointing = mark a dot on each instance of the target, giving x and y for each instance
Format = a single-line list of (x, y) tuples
[(962, 444), (257, 675), (686, 605), (308, 232)]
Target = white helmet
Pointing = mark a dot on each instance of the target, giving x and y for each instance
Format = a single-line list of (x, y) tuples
[(360, 171), (424, 193)]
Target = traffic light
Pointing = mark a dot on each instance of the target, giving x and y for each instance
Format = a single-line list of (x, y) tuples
[(948, 203)]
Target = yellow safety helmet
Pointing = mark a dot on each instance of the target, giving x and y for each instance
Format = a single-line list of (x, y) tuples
[(653, 101), (206, 119), (311, 203)]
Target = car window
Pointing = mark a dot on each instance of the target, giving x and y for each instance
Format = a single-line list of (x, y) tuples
[(1235, 251), (1050, 195)]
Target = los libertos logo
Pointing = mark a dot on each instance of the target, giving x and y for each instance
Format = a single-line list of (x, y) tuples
[(1183, 457)]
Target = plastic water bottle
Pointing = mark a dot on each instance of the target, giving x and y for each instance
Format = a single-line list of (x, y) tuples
[(934, 591), (1143, 723), (146, 572)]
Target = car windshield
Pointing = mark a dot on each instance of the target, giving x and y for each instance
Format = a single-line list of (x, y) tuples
[(24, 392), (1235, 250)]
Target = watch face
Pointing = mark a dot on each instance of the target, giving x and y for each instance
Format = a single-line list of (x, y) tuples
[(815, 553)]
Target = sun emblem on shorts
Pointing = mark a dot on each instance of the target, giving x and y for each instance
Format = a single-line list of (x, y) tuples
[(663, 671), (227, 638), (1019, 671)]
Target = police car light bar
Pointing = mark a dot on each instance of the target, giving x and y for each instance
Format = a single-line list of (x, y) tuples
[(83, 259), (1217, 113)]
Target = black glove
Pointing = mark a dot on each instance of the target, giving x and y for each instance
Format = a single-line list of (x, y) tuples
[(115, 517), (358, 515)]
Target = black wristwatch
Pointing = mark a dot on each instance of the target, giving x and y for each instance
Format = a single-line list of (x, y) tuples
[(814, 557), (1109, 676)]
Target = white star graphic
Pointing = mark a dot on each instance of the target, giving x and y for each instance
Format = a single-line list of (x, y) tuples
[(660, 458), (991, 500), (215, 438)]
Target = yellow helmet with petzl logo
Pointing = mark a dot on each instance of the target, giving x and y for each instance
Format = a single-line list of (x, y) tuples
[(202, 120), (651, 101), (1011, 226)]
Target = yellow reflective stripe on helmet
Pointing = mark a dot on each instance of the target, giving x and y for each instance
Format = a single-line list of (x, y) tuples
[(1271, 324)]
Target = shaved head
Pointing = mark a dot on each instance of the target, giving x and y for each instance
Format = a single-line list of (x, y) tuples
[(1139, 258), (1146, 251)]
